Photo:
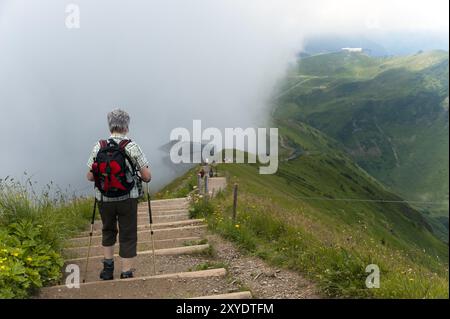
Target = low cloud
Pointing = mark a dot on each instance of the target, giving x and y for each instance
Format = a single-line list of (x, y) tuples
[(166, 62)]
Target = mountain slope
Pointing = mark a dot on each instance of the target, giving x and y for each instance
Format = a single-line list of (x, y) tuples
[(320, 215), (389, 114), (328, 179)]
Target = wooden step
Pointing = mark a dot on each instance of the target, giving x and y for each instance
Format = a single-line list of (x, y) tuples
[(166, 201), (144, 235), (158, 252), (161, 213), (176, 285), (181, 223), (164, 205), (73, 252), (163, 209), (232, 295), (144, 220), (157, 208), (143, 265), (158, 202)]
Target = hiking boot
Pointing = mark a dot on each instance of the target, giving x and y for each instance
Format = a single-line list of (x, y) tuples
[(108, 270), (126, 274)]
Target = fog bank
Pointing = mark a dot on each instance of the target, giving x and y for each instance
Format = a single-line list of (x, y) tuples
[(165, 62)]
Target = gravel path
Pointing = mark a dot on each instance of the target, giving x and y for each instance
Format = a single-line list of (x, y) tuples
[(262, 280)]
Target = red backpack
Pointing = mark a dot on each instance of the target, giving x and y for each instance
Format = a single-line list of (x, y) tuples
[(112, 175)]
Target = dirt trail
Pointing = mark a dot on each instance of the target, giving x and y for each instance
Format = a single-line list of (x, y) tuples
[(186, 266)]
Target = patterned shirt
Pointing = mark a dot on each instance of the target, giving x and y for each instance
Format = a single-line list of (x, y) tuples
[(139, 160)]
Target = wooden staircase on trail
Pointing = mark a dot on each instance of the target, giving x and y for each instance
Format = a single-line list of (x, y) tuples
[(184, 268)]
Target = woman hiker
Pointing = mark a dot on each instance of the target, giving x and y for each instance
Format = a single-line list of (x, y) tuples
[(113, 166)]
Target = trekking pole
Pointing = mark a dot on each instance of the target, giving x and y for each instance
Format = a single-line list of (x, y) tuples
[(90, 240), (151, 228)]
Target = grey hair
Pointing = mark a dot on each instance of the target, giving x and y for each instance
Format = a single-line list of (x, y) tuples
[(118, 121)]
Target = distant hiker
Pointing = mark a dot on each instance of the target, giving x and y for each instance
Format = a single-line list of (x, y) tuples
[(214, 167), (211, 172), (113, 166), (202, 173)]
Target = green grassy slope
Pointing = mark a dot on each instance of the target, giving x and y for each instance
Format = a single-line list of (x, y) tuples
[(315, 215), (389, 114), (324, 172), (333, 241)]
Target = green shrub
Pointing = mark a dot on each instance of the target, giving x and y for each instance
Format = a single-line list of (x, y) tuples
[(200, 206), (33, 229), (27, 262)]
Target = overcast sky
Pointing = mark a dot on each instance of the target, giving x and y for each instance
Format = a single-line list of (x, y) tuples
[(167, 62)]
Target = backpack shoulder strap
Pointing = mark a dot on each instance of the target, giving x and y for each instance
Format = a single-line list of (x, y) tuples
[(103, 144), (124, 143)]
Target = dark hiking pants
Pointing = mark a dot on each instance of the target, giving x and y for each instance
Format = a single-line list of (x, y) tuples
[(123, 213)]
